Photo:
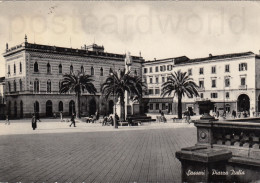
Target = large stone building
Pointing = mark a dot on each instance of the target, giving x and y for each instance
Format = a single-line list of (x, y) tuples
[(34, 72), (232, 81)]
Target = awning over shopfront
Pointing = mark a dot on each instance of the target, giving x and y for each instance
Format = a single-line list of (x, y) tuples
[(160, 100)]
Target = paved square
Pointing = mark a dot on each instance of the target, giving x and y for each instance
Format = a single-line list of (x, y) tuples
[(92, 153)]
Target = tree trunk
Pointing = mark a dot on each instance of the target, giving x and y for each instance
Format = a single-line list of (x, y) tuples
[(78, 105), (179, 107), (122, 103)]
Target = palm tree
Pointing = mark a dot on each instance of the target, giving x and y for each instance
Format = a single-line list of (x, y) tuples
[(119, 82), (180, 84), (78, 84)]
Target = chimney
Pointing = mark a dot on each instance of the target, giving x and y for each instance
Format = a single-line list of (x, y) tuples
[(154, 59), (6, 46), (210, 55)]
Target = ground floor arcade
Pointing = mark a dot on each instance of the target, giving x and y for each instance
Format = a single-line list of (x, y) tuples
[(47, 105), (241, 101)]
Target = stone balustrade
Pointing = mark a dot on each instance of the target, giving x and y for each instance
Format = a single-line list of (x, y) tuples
[(225, 151)]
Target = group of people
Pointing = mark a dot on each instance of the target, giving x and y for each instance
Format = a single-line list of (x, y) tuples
[(162, 117), (109, 119)]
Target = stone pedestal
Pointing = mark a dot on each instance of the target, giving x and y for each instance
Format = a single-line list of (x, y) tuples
[(204, 130), (136, 109), (202, 164)]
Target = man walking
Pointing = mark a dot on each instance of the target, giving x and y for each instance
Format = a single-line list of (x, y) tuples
[(73, 120)]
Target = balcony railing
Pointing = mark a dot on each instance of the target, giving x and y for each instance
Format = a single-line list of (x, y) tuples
[(201, 89), (242, 87)]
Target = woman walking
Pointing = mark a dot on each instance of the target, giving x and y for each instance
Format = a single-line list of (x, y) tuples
[(34, 122)]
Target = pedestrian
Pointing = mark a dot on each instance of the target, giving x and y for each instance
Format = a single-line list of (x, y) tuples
[(234, 114), (188, 117), (217, 113), (7, 120), (163, 119), (105, 118), (61, 117), (34, 122), (73, 120)]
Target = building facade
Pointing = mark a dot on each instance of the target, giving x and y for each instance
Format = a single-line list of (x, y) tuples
[(2, 97), (231, 81), (34, 73)]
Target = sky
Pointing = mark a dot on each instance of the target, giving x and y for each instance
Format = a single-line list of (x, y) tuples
[(154, 29)]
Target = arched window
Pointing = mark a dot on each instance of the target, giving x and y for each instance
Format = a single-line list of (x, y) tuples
[(14, 86), (82, 69), (49, 86), (92, 71), (35, 67), (8, 69), (21, 85), (48, 68), (101, 71), (110, 70), (135, 72), (71, 69), (60, 106), (36, 86), (21, 68), (14, 68), (60, 69)]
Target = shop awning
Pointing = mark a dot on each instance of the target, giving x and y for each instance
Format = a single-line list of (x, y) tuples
[(160, 100)]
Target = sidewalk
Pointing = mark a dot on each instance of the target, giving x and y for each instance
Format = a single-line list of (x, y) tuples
[(55, 126)]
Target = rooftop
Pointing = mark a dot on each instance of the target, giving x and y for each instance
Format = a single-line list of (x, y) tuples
[(87, 51), (175, 59), (219, 57)]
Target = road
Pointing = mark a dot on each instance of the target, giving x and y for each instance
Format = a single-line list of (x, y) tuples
[(55, 152)]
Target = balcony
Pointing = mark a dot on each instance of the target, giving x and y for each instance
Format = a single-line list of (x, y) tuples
[(201, 89), (242, 87)]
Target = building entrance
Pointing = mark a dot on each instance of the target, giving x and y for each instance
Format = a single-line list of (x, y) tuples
[(110, 107), (243, 103), (71, 107), (48, 108), (92, 107)]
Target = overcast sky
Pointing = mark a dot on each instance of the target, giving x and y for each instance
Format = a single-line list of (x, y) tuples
[(156, 29)]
